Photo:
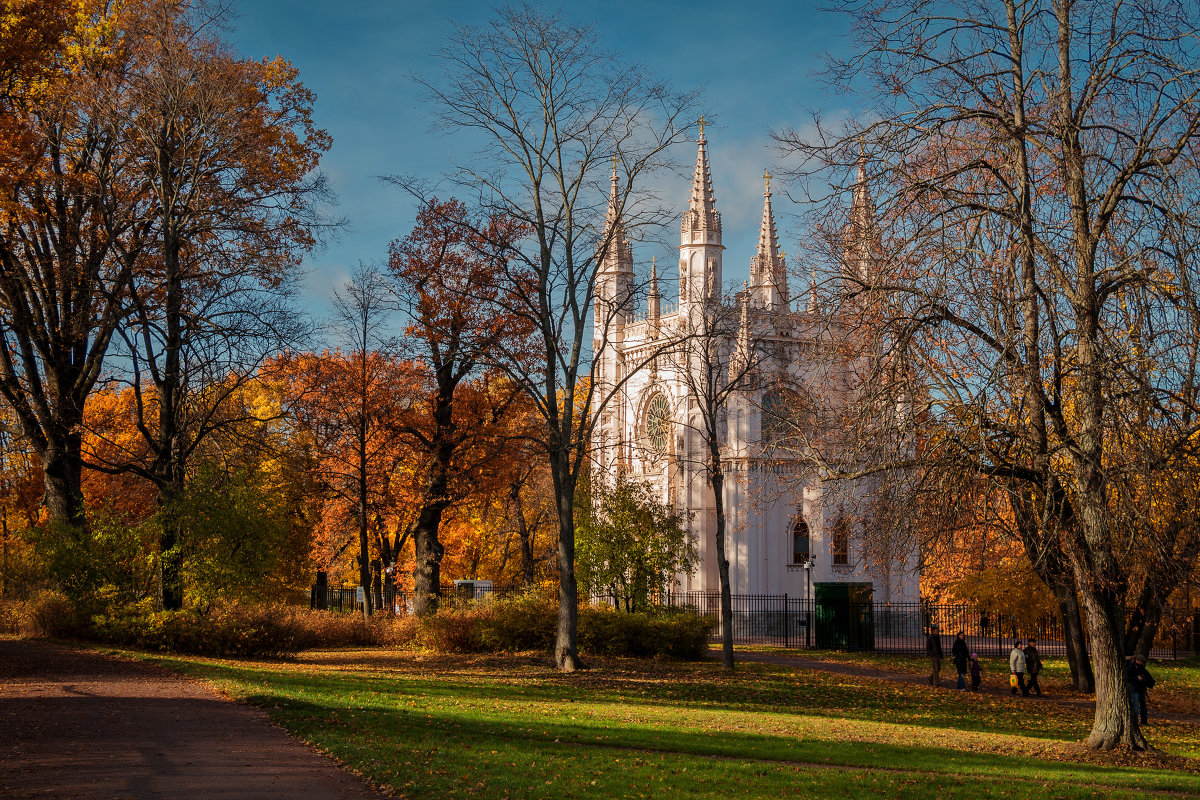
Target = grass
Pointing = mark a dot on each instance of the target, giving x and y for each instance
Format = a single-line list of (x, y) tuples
[(510, 726)]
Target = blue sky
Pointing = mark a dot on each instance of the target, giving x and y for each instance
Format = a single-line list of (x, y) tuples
[(754, 62)]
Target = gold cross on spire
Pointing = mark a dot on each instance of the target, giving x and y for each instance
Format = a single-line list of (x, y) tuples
[(767, 177), (702, 122), (783, 255)]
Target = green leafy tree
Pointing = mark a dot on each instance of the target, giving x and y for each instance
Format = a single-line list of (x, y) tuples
[(629, 546)]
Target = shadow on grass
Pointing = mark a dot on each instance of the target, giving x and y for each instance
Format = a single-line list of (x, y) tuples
[(444, 743), (756, 689)]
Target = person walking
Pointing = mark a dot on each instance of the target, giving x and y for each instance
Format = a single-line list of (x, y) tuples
[(976, 672), (962, 656), (1138, 681), (933, 649), (1016, 665), (1033, 666)]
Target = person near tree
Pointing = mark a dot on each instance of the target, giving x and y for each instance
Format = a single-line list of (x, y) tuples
[(962, 656), (1016, 665), (933, 649), (976, 672), (1139, 681), (1033, 666)]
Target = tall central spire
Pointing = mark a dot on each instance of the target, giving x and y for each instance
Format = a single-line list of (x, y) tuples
[(768, 272), (702, 214), (700, 238)]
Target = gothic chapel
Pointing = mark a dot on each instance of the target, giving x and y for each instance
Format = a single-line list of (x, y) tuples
[(787, 531)]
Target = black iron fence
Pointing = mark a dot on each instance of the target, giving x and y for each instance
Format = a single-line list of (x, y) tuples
[(797, 622), (390, 600)]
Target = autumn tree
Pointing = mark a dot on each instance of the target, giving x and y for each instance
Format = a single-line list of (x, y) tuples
[(1037, 160), (349, 402), (553, 110), (445, 276), (227, 153), (65, 186)]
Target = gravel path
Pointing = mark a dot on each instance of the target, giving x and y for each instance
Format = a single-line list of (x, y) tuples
[(76, 724)]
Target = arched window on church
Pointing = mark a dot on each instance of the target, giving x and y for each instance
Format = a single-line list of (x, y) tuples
[(799, 541), (780, 425), (839, 542)]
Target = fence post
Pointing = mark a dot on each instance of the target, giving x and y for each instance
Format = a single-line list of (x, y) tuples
[(787, 622)]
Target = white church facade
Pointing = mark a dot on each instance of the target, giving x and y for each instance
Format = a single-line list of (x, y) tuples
[(789, 530)]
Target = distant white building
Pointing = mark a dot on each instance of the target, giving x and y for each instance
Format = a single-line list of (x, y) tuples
[(780, 514)]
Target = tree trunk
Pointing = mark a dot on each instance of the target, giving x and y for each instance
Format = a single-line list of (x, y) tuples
[(169, 461), (427, 570), (62, 470), (1114, 724), (514, 495), (566, 653), (1078, 659), (717, 481), (1101, 588)]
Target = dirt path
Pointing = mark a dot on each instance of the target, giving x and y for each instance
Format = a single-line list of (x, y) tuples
[(948, 681), (77, 724)]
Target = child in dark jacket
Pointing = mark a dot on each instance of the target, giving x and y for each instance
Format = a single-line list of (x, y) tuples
[(976, 672)]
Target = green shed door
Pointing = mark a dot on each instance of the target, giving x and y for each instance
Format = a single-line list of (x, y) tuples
[(844, 616)]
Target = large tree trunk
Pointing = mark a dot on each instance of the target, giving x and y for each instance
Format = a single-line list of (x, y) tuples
[(566, 653), (427, 571), (62, 470), (1114, 724), (1101, 588)]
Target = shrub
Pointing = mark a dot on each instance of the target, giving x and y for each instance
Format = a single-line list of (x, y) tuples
[(678, 634), (455, 630), (47, 613), (230, 630), (526, 622)]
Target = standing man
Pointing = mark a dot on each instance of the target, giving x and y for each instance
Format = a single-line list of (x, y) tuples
[(1139, 681), (1016, 665), (962, 658), (933, 649), (1033, 666)]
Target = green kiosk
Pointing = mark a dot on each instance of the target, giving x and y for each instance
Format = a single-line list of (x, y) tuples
[(844, 616)]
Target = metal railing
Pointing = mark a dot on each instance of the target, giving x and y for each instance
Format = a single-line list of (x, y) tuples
[(802, 623), (400, 601), (797, 622)]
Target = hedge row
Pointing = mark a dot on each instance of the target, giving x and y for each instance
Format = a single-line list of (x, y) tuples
[(512, 624)]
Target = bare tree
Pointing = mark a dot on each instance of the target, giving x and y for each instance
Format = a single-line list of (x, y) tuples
[(716, 359), (552, 109), (1038, 159)]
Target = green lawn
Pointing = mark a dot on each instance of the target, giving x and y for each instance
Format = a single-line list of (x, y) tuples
[(510, 726)]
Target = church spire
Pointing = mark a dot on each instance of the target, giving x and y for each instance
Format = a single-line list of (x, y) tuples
[(619, 256), (768, 270), (702, 214), (860, 241), (614, 252), (700, 238)]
